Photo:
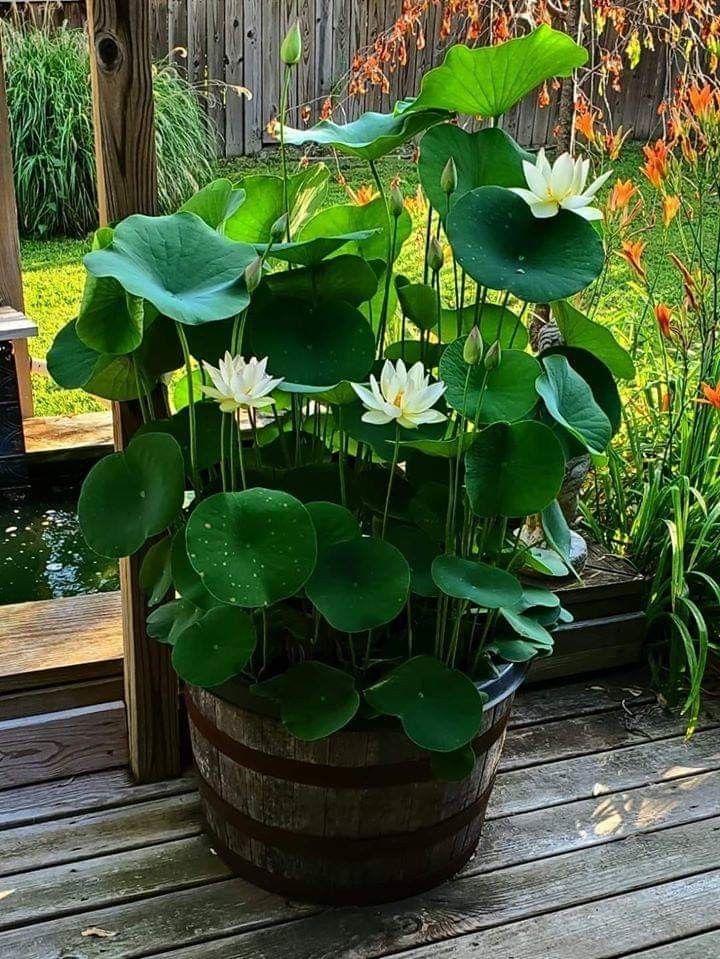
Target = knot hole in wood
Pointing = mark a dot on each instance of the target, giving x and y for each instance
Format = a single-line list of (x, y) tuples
[(109, 52)]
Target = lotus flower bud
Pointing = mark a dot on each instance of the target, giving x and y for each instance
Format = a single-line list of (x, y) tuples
[(435, 255), (253, 275), (493, 357), (449, 177), (473, 348), (291, 48), (278, 231), (397, 202)]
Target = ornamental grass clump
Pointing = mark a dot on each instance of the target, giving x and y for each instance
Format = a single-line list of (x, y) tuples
[(47, 71), (331, 513)]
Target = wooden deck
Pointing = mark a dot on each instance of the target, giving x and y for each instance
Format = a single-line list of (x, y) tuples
[(603, 840)]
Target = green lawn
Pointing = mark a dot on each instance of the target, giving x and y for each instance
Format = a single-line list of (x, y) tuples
[(53, 271)]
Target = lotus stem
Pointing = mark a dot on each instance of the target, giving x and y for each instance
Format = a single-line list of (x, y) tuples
[(396, 452), (191, 406)]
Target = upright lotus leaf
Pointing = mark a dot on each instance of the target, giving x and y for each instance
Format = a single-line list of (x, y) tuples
[(487, 157), (215, 648), (527, 627), (333, 524), (505, 393), (155, 572), (73, 365), (265, 203), (128, 497), (315, 700), (208, 419), (215, 202), (314, 345), (488, 81), (187, 270), (252, 548), (371, 136), (359, 584), (496, 323), (487, 586), (418, 303), (513, 469), (501, 245), (168, 621), (557, 532), (513, 650), (597, 376), (314, 250), (348, 218), (570, 402), (580, 331), (348, 277), (439, 708)]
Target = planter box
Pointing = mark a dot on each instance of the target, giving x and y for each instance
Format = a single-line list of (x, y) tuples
[(609, 626), (356, 818)]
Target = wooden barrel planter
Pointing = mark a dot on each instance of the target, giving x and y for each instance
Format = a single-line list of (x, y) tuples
[(350, 820)]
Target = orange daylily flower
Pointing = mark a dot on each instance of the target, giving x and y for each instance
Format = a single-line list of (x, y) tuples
[(613, 142), (663, 316), (363, 195), (655, 167), (702, 100), (670, 207), (543, 96), (633, 253), (688, 281), (711, 394), (621, 194)]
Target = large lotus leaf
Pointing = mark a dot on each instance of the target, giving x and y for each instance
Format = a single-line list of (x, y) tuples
[(73, 365), (382, 438), (187, 582), (208, 419), (315, 700), (333, 523), (359, 584), (178, 263), (455, 766), (252, 548), (371, 136), (487, 157), (488, 81), (315, 345), (597, 376), (505, 393), (527, 627), (413, 351), (418, 303), (557, 532), (514, 650), (215, 202), (353, 218), (501, 245), (265, 203), (580, 331), (128, 497), (495, 322), (214, 648), (348, 277), (442, 449), (308, 252), (419, 551), (513, 469), (155, 572), (487, 586), (439, 708), (570, 402), (168, 621)]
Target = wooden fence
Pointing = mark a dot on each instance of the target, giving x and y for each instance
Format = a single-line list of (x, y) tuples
[(228, 44)]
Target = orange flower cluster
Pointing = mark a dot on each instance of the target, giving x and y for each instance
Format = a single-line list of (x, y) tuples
[(655, 167), (711, 395), (632, 252)]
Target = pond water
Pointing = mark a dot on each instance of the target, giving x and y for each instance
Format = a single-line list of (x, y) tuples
[(43, 554)]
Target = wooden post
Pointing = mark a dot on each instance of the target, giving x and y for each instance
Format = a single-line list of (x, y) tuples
[(119, 32), (11, 290)]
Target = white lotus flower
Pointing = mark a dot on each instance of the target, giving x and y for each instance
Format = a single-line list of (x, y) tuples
[(239, 383), (560, 186), (402, 396)]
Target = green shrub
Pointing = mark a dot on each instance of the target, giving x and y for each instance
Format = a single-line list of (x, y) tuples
[(49, 101)]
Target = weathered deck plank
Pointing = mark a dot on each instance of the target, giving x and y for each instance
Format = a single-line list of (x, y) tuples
[(704, 946)]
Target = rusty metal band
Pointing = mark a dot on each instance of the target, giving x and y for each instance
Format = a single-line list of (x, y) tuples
[(363, 895), (345, 848), (319, 774)]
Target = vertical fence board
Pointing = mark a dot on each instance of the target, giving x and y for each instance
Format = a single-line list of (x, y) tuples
[(120, 67), (253, 127), (216, 38), (234, 76)]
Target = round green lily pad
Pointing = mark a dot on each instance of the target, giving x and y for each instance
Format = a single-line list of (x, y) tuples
[(488, 586), (315, 700), (333, 523), (215, 648), (360, 584), (440, 708), (252, 548)]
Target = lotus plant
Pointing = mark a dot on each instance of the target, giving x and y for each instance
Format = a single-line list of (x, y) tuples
[(369, 546)]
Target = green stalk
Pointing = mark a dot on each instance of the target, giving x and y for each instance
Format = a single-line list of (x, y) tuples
[(284, 96), (392, 237), (191, 407), (396, 453)]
